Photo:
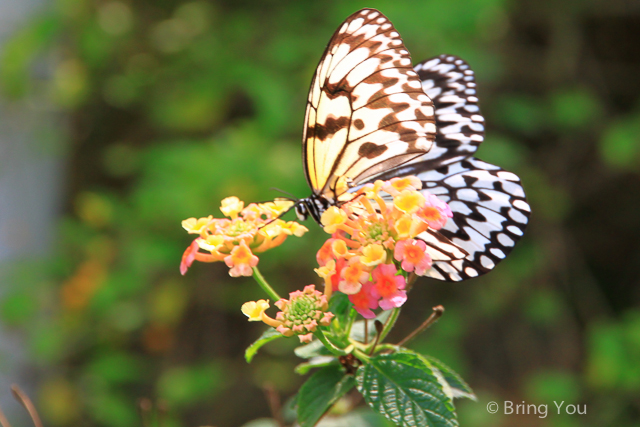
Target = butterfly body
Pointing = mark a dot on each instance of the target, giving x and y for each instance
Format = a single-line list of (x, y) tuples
[(312, 206), (372, 115)]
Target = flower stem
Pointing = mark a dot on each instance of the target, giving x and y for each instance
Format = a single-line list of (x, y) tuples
[(332, 348), (349, 325), (363, 357), (264, 285), (388, 325), (386, 348)]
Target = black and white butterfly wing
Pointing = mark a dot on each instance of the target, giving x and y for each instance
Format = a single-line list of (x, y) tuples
[(366, 111), (450, 83), (490, 214)]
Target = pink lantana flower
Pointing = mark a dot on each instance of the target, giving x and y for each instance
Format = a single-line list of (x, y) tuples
[(388, 287), (353, 276), (325, 253), (188, 257), (435, 212), (364, 301), (241, 260), (413, 256)]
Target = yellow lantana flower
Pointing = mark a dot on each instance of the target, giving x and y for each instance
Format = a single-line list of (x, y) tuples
[(247, 231), (231, 206), (332, 218), (339, 248), (397, 185), (195, 226), (373, 254), (254, 309), (408, 201)]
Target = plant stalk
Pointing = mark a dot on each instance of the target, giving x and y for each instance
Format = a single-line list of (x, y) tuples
[(388, 325), (264, 285), (332, 348), (437, 312)]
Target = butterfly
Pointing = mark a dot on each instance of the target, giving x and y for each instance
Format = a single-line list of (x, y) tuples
[(372, 115)]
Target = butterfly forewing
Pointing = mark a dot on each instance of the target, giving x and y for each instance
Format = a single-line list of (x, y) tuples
[(490, 214), (366, 110)]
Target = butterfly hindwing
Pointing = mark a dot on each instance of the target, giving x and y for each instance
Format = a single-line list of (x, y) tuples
[(490, 214), (366, 110)]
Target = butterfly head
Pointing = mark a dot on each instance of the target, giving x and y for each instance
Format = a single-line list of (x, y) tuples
[(302, 212), (313, 206)]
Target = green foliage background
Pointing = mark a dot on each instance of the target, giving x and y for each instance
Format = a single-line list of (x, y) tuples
[(170, 106)]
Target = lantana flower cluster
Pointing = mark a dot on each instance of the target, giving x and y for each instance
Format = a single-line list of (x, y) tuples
[(373, 245), (236, 239), (300, 315)]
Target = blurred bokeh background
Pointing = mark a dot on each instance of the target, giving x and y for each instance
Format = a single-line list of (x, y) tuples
[(120, 118)]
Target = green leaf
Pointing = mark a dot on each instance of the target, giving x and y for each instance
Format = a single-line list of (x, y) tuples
[(315, 362), (360, 417), (313, 349), (403, 388), (262, 422), (267, 336), (458, 386), (321, 391), (340, 306)]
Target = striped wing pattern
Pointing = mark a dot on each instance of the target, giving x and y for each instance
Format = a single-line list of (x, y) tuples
[(366, 111)]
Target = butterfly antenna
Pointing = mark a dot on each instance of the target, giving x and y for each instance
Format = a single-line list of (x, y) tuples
[(291, 196), (293, 199)]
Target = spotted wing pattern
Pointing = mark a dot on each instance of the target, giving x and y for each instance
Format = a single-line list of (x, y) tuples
[(490, 214), (366, 110)]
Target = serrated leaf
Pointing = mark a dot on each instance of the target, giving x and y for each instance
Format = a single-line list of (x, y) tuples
[(459, 387), (402, 387), (321, 391), (267, 336), (315, 362)]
